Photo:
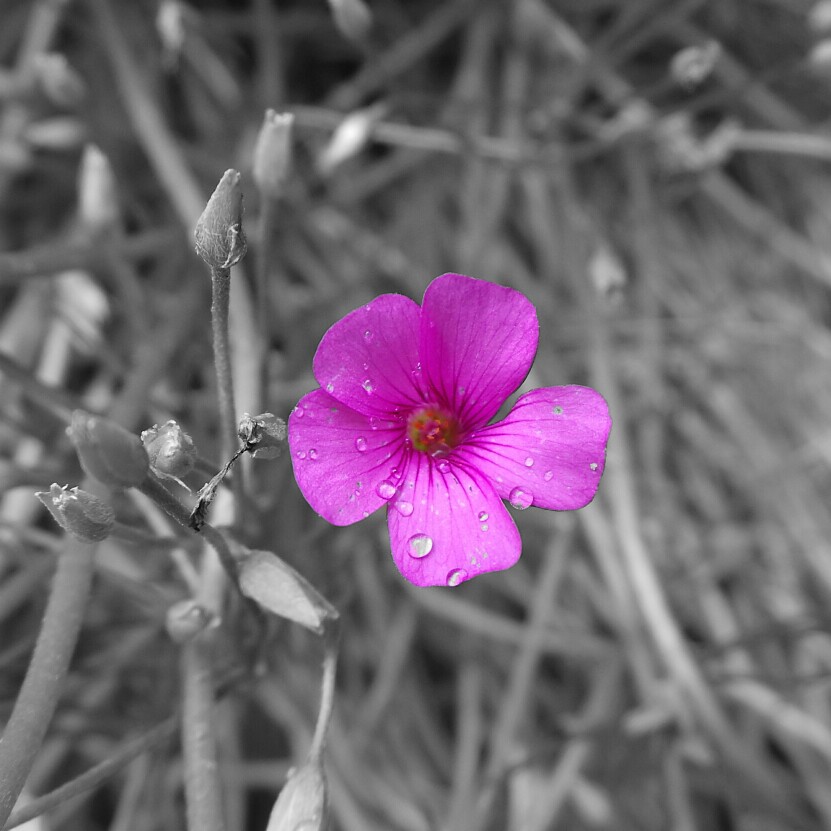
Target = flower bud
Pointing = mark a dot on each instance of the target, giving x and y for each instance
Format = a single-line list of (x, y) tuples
[(79, 513), (170, 449), (350, 137), (353, 19), (272, 153), (302, 804), (264, 435), (279, 589), (97, 191), (186, 619), (220, 240), (107, 451)]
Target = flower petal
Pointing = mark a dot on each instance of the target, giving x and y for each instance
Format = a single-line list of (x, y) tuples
[(549, 451), (478, 341), (368, 360), (341, 458), (447, 524)]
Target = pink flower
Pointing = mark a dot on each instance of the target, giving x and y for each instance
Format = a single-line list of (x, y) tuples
[(401, 420)]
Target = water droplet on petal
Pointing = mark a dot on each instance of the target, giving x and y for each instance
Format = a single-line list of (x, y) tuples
[(360, 444), (420, 545), (330, 388), (385, 489), (593, 465), (484, 526), (367, 335), (529, 462), (548, 475), (367, 385), (443, 466), (404, 508), (301, 454), (458, 575), (313, 454), (520, 499), (557, 411), (483, 516), (299, 412), (395, 473)]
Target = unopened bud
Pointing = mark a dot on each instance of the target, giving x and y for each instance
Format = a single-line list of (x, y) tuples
[(186, 619), (170, 449), (272, 153), (353, 19), (350, 137), (79, 513), (302, 805), (108, 452), (279, 589), (220, 240), (97, 191), (264, 435), (61, 84)]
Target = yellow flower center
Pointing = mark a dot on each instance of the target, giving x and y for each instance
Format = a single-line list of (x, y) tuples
[(433, 431)]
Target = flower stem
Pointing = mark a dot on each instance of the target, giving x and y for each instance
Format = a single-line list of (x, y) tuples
[(221, 293), (202, 787), (42, 685), (327, 691)]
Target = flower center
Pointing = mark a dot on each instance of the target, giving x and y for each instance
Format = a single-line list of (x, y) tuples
[(433, 431)]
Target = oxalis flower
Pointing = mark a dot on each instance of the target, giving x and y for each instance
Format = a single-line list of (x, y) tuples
[(402, 420)]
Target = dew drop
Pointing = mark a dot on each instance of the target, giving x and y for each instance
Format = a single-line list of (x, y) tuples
[(548, 475), (420, 545), (301, 454), (299, 412), (313, 454), (484, 526), (557, 411), (385, 489), (368, 335), (443, 466), (395, 473), (529, 462), (330, 388), (483, 516), (593, 466), (404, 508), (367, 385), (456, 576), (520, 499), (360, 444)]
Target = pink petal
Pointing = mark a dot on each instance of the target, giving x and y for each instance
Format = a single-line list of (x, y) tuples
[(549, 451), (341, 458), (369, 361), (447, 524), (478, 341)]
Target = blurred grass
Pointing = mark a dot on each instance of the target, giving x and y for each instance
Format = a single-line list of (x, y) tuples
[(658, 660)]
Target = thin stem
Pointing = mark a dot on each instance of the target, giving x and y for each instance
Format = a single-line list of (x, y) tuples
[(202, 785), (44, 679), (327, 691), (95, 776), (221, 285)]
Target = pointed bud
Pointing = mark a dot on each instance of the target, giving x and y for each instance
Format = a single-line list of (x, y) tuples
[(353, 19), (279, 589), (264, 435), (79, 513), (302, 804), (170, 449), (61, 84), (186, 619), (108, 452), (97, 191), (272, 153), (220, 240), (350, 137)]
